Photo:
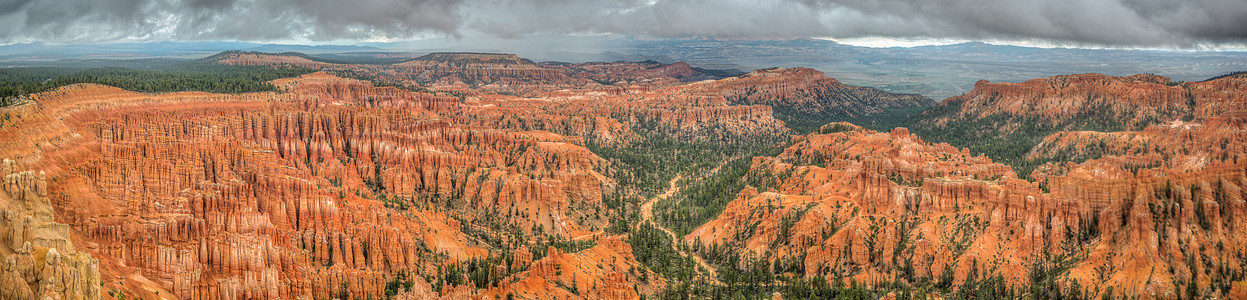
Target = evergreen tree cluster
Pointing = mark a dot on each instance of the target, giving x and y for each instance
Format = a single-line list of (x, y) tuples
[(198, 75)]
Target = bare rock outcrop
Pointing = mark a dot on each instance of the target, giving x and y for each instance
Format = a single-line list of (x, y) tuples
[(40, 259)]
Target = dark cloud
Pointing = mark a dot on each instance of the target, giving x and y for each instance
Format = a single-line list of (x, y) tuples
[(665, 18), (1149, 23), (250, 20), (1104, 22), (1146, 23)]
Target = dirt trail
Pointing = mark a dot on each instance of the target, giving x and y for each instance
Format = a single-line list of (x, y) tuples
[(647, 215)]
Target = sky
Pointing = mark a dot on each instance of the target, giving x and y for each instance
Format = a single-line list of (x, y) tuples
[(1151, 24)]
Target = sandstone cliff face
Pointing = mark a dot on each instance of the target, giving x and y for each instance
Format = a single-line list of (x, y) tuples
[(332, 187), (321, 89), (647, 95), (1218, 96), (1150, 211), (40, 259), (1173, 195), (625, 73), (1089, 100), (859, 204), (605, 271), (612, 117), (485, 68), (706, 111), (323, 190), (603, 101), (1182, 145), (807, 91)]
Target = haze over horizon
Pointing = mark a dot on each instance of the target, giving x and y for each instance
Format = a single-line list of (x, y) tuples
[(935, 48), (1142, 24)]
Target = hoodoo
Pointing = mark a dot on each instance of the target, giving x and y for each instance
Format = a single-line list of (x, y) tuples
[(622, 150)]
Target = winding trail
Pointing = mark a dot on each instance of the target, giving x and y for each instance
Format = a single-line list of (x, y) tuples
[(647, 215)]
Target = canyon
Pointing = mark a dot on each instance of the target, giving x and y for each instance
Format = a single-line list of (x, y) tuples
[(1152, 212), (478, 175)]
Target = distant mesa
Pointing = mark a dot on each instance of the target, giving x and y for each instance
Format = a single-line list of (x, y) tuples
[(473, 58)]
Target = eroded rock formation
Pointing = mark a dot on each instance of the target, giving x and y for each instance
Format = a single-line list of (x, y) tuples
[(807, 91), (41, 261), (1155, 213), (320, 191), (339, 188), (1092, 101)]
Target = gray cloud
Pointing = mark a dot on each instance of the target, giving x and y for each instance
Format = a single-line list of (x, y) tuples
[(1161, 23), (1107, 22), (249, 20), (1147, 23)]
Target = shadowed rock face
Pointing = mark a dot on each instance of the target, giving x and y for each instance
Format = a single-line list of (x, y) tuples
[(1152, 209)]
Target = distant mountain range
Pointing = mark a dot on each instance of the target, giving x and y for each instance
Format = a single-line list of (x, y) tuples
[(937, 72)]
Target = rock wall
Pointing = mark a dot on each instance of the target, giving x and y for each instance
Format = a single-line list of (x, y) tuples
[(40, 259), (1161, 208), (1095, 101), (321, 191), (807, 91), (605, 271)]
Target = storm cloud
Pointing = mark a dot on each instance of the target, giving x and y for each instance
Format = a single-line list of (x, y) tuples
[(1130, 23), (71, 21)]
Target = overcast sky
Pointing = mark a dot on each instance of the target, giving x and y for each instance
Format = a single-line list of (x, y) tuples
[(1198, 24)]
